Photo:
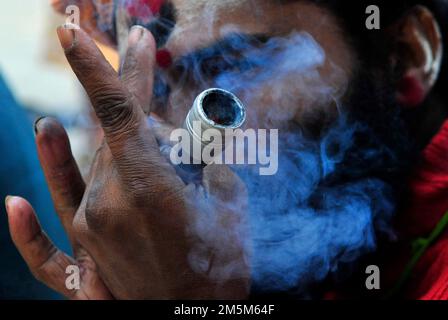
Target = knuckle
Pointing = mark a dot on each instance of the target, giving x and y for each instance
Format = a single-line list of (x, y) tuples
[(95, 216), (82, 231), (139, 191), (41, 271), (80, 60), (131, 63), (114, 108), (155, 194), (100, 215), (79, 225), (94, 210)]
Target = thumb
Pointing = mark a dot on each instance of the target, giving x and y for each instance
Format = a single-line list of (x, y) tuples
[(46, 262)]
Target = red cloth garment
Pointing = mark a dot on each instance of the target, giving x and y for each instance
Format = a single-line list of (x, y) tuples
[(432, 274), (428, 202)]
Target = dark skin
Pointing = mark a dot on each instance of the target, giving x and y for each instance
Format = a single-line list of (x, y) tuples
[(127, 222), (131, 178)]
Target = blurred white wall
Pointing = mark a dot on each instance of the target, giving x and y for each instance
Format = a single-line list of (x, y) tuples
[(27, 38), (35, 67)]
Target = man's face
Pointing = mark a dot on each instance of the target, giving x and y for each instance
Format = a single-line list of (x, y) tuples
[(284, 61), (290, 64)]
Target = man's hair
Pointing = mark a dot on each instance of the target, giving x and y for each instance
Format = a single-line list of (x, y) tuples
[(374, 48), (352, 15)]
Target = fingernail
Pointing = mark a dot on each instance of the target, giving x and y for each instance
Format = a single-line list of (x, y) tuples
[(36, 123), (66, 34), (135, 35), (7, 199)]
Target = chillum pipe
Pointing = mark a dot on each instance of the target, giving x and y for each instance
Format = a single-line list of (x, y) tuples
[(214, 109)]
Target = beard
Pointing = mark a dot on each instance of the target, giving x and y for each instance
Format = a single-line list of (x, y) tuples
[(333, 197), (335, 192)]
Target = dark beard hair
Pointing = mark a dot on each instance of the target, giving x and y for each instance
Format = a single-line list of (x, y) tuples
[(333, 196), (382, 146)]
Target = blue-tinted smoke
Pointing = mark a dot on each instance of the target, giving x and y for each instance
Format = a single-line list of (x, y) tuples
[(302, 227), (326, 204), (285, 69)]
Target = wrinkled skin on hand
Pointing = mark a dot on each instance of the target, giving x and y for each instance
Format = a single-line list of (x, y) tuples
[(131, 224)]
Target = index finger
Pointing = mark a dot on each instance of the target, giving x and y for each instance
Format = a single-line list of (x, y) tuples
[(122, 119)]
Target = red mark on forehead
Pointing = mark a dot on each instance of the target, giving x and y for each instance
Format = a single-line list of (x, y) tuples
[(164, 58), (155, 5), (144, 8)]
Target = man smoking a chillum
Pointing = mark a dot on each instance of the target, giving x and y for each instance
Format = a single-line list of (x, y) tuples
[(140, 229)]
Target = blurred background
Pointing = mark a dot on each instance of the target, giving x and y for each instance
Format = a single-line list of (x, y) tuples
[(35, 69), (35, 80)]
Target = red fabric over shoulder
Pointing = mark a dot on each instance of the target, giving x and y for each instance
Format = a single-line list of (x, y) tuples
[(427, 204)]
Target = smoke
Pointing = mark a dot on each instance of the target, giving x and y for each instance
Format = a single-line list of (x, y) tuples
[(327, 203), (283, 71), (304, 227), (303, 223), (329, 200)]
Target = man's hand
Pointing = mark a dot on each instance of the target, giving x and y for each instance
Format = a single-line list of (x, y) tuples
[(137, 229), (47, 263)]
